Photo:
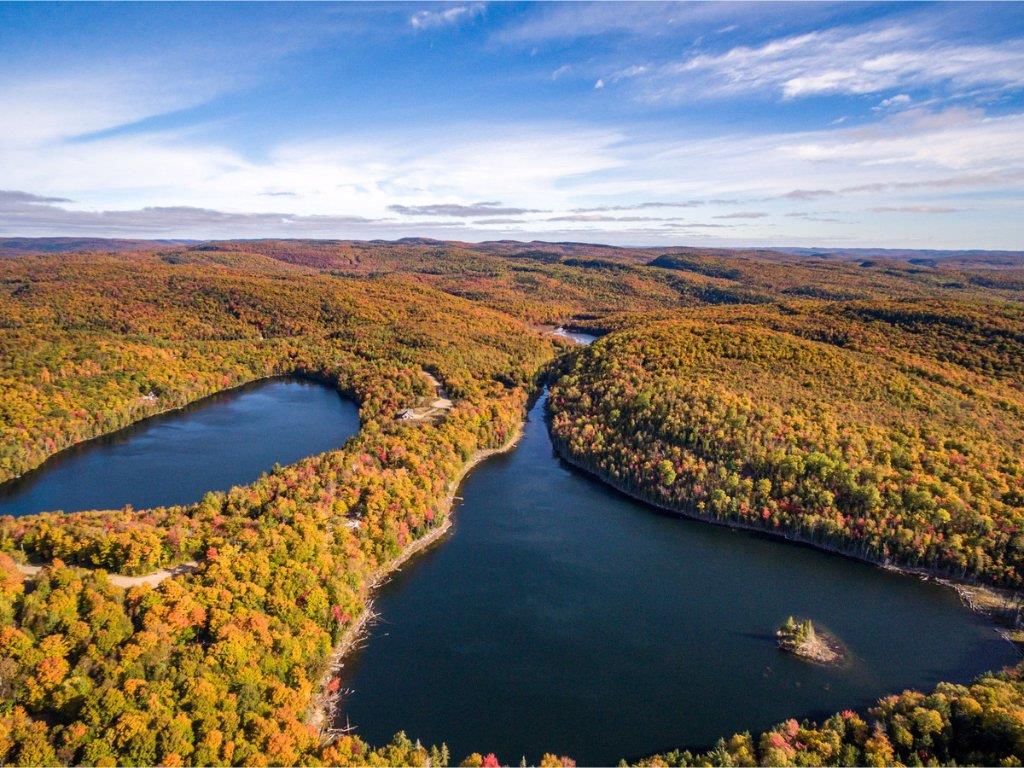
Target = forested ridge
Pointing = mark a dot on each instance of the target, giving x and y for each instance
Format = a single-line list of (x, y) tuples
[(886, 431), (873, 406)]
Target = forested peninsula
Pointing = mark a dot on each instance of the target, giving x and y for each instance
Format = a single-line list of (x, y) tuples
[(889, 432), (873, 407)]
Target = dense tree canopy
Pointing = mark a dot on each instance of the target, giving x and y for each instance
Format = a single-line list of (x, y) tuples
[(892, 432), (881, 418), (220, 665)]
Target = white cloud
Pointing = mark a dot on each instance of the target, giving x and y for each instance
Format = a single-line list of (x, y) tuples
[(57, 93), (10, 198), (898, 100), (600, 217), (358, 174), (155, 221), (914, 209), (640, 206), (452, 15), (51, 107), (626, 73), (344, 186), (843, 60), (956, 139), (489, 208), (807, 194)]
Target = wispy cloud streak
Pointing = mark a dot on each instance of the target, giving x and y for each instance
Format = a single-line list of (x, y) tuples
[(454, 14), (842, 60), (454, 209)]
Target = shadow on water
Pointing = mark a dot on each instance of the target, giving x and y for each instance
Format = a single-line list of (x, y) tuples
[(174, 458), (562, 616), (763, 637)]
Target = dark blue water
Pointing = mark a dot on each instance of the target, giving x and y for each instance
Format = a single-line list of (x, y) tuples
[(225, 440), (562, 616)]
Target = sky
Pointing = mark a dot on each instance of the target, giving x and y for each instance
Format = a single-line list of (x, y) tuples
[(801, 124)]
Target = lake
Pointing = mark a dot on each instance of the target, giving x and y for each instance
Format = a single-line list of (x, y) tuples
[(175, 458), (562, 616), (578, 337)]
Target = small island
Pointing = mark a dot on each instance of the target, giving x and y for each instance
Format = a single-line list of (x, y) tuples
[(801, 639)]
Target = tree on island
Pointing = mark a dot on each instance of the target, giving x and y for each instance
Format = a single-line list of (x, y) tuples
[(793, 633), (800, 639)]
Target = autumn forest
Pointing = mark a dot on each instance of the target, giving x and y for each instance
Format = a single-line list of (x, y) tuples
[(869, 405)]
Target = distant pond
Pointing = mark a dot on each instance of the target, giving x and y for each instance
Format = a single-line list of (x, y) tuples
[(175, 458), (580, 337), (562, 616)]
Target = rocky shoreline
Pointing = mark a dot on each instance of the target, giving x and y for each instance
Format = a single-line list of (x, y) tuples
[(802, 640)]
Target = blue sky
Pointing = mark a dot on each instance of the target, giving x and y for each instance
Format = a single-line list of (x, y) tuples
[(896, 124)]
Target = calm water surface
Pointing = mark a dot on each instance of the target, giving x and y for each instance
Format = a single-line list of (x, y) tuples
[(562, 616), (225, 440), (578, 336)]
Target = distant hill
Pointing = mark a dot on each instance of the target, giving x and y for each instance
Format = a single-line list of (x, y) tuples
[(539, 250), (928, 258), (19, 246)]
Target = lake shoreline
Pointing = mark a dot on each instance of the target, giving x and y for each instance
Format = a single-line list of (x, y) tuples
[(17, 494), (990, 602), (323, 708), (196, 402), (531, 504)]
